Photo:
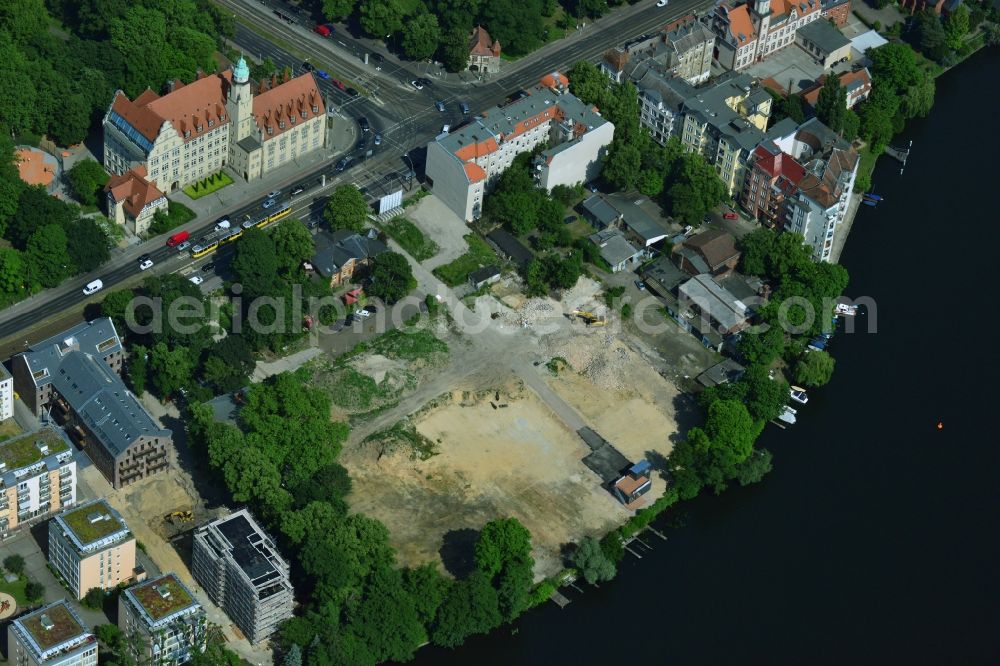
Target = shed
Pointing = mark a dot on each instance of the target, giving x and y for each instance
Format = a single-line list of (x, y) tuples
[(600, 213), (481, 277), (824, 42), (510, 247), (618, 252)]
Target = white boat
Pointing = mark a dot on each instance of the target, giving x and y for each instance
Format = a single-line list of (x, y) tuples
[(798, 394), (846, 310), (787, 416)]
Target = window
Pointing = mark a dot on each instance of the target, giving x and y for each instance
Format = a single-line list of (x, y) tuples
[(211, 123)]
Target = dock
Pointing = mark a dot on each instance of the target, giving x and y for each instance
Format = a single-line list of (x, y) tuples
[(559, 599), (900, 154)]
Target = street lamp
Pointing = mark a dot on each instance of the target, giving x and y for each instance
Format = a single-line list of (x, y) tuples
[(409, 180)]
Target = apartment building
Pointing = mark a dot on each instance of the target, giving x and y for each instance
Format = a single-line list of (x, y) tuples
[(857, 86), (772, 176), (683, 49), (751, 31), (74, 375), (464, 164), (217, 120), (6, 394), (725, 123), (91, 546), (53, 635), (239, 566), (37, 477), (164, 623)]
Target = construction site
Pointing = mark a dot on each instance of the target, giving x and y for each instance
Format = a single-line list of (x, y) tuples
[(533, 418)]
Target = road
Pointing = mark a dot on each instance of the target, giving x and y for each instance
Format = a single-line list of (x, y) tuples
[(405, 117)]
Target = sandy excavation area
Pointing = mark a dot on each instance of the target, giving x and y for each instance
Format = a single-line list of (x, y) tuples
[(515, 461)]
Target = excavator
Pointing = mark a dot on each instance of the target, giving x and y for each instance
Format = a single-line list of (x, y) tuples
[(589, 318), (180, 517)]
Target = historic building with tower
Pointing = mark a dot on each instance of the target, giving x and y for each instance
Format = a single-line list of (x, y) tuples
[(749, 32), (221, 119)]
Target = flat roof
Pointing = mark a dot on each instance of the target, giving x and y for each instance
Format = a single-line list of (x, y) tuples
[(245, 538), (31, 448), (161, 597), (93, 521), (51, 626), (824, 35)]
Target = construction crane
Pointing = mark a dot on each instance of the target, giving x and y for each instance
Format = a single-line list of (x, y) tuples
[(590, 318)]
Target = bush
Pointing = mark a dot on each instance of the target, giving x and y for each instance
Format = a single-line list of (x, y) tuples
[(34, 591), (94, 598), (14, 564), (626, 311)]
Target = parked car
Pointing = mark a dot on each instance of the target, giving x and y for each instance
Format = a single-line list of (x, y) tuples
[(640, 285), (268, 203), (339, 84), (209, 267), (196, 279), (353, 93), (439, 105), (322, 74), (147, 263), (298, 189), (343, 163), (730, 215), (322, 31), (662, 3), (688, 229), (378, 139), (445, 129), (361, 312), (371, 308), (465, 108), (274, 194), (417, 84)]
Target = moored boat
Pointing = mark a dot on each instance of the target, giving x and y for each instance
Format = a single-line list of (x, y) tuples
[(798, 394), (869, 202), (872, 196), (787, 416)]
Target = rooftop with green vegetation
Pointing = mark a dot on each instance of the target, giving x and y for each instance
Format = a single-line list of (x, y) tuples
[(161, 597), (52, 626), (93, 521), (31, 448)]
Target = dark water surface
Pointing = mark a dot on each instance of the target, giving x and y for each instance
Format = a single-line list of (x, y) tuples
[(875, 539)]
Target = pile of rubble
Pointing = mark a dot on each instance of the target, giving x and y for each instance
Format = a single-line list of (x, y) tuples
[(600, 358)]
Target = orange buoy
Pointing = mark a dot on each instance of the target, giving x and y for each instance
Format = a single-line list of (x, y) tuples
[(940, 425)]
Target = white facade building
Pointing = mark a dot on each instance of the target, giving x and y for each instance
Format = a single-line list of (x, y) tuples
[(463, 165), (37, 477), (6, 394)]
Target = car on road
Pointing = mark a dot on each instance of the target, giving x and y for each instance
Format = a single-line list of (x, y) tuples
[(196, 279), (143, 258), (445, 129), (93, 287), (640, 285), (339, 84), (308, 66), (353, 93), (439, 105), (661, 3), (730, 215), (360, 146), (298, 189), (314, 221), (208, 268), (322, 31), (268, 203), (361, 312), (363, 124), (143, 265), (417, 84), (343, 163), (274, 194), (179, 237), (222, 223), (378, 139), (183, 246), (465, 108), (377, 57), (322, 74)]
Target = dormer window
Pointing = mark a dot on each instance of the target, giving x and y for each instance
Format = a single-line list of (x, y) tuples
[(315, 109), (281, 124), (292, 118), (187, 133), (200, 128), (270, 129), (304, 115), (211, 123)]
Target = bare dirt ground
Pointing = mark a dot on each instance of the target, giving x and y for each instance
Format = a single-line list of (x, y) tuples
[(442, 226), (515, 461)]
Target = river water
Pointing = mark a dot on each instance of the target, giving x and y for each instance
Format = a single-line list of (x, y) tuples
[(875, 539)]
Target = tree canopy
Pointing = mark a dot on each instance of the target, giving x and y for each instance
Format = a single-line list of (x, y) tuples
[(392, 277), (346, 209)]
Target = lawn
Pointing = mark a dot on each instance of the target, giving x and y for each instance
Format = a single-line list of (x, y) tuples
[(408, 345), (206, 186), (176, 215), (411, 239), (87, 531), (16, 590), (24, 451), (155, 604), (480, 254), (8, 429)]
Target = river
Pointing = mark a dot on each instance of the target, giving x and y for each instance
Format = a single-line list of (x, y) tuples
[(875, 539)]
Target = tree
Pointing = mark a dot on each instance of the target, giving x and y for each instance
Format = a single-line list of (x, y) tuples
[(930, 35), (831, 104), (756, 247), (89, 248), (337, 9), (421, 36), (345, 554), (851, 124), (392, 277), (14, 564), (766, 397), (380, 18), (229, 363), (991, 33), (762, 348), (36, 209), (517, 24), (754, 468), (588, 83), (623, 165), (34, 591), (171, 370), (501, 542), (956, 26), (793, 108), (453, 50), (592, 562), (696, 188), (428, 588), (293, 657), (256, 264), (138, 368), (94, 599), (346, 209), (471, 607), (87, 177), (387, 621), (13, 274), (814, 368), (48, 257), (293, 244), (731, 431)]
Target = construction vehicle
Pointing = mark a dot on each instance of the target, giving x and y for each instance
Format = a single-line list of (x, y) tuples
[(180, 516), (589, 318)]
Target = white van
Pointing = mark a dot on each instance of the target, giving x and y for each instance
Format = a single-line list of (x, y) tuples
[(93, 288)]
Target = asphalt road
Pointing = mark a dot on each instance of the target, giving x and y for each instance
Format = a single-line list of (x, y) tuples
[(404, 116)]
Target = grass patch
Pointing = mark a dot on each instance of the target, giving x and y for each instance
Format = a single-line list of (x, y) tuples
[(408, 345), (208, 185), (16, 590), (87, 531), (357, 392), (411, 239), (456, 272), (866, 166), (417, 196), (24, 451), (177, 214), (557, 364), (579, 229), (404, 434)]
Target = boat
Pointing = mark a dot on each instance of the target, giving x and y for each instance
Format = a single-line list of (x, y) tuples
[(792, 410), (846, 310), (818, 343), (787, 416), (869, 202), (873, 197), (798, 394)]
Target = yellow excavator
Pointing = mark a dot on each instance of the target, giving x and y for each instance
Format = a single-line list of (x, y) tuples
[(180, 516), (589, 318)]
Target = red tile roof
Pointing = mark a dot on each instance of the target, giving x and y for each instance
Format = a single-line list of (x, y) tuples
[(481, 44), (474, 172), (812, 94), (474, 150), (194, 105), (740, 24), (554, 80), (287, 103), (134, 189)]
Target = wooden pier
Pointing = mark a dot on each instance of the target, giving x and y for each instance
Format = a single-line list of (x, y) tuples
[(559, 599), (899, 154)]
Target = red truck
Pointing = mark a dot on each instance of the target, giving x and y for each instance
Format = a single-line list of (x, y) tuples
[(178, 238)]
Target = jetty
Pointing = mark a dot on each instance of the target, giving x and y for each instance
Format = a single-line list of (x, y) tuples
[(900, 154)]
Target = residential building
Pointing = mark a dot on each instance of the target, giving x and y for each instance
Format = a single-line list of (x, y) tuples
[(508, 246), (725, 371), (837, 11), (75, 376), (91, 546), (6, 394), (772, 177), (164, 623), (342, 254), (820, 201), (857, 85), (53, 635), (713, 251), (464, 164), (683, 50), (751, 31), (714, 305), (661, 103), (37, 477), (634, 484), (824, 43), (662, 277), (240, 568), (614, 249), (132, 201), (484, 276), (217, 120), (725, 123), (484, 52)]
